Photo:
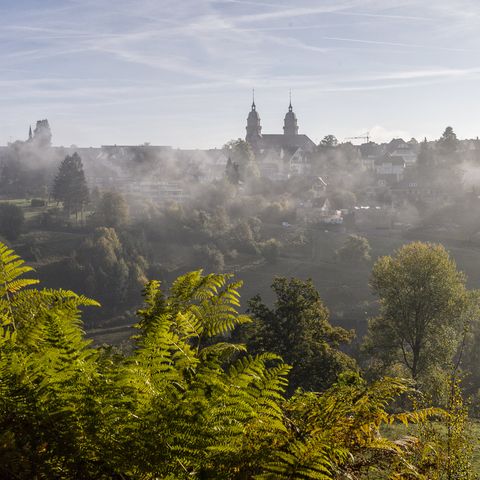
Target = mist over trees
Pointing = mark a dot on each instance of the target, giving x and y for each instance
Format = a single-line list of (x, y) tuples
[(329, 359), (70, 186)]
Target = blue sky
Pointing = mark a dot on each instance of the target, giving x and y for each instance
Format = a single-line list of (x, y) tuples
[(180, 72)]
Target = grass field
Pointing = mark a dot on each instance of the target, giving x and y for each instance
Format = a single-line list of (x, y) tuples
[(344, 288)]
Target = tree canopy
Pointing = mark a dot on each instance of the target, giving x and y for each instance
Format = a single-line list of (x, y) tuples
[(70, 186), (423, 303), (355, 249), (111, 211), (448, 142), (298, 329), (12, 221), (329, 141)]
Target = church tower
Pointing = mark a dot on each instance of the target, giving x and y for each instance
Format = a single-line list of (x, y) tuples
[(290, 126), (254, 129)]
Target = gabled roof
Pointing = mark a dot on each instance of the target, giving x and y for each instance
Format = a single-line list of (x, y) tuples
[(274, 140)]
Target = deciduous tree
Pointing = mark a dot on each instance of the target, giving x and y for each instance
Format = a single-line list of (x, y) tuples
[(355, 249), (423, 301)]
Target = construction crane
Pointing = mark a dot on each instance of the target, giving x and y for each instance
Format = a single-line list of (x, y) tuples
[(365, 136)]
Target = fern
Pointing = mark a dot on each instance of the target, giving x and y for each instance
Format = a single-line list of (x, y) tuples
[(185, 404)]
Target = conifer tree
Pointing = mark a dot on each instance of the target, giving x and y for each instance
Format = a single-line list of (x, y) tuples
[(70, 186)]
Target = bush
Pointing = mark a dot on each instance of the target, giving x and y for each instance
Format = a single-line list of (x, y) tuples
[(270, 250), (355, 249), (12, 220)]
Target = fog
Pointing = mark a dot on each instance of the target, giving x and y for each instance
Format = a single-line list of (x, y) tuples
[(269, 204)]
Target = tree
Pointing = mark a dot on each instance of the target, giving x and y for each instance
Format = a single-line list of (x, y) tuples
[(448, 142), (12, 220), (232, 172), (354, 249), (270, 250), (425, 160), (343, 199), (423, 300), (297, 328), (112, 210), (70, 186), (329, 141), (241, 154), (106, 269)]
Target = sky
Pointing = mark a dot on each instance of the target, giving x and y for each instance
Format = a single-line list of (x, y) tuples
[(181, 72)]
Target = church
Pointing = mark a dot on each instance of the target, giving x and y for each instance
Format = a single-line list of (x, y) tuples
[(290, 140)]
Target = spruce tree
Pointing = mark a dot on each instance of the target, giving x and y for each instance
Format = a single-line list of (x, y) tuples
[(70, 186)]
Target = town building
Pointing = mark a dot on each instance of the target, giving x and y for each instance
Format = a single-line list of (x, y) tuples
[(290, 139)]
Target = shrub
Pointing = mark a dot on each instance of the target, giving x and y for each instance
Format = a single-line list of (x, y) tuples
[(270, 250), (12, 220), (355, 249)]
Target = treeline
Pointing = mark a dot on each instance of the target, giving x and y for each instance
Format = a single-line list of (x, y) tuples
[(125, 242), (189, 401)]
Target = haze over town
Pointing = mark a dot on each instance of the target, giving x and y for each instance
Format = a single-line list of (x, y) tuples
[(181, 73), (240, 239)]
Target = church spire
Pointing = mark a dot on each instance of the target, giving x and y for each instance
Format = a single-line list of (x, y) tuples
[(254, 128), (30, 135), (290, 126)]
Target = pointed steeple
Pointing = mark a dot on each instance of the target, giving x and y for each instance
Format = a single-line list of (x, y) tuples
[(254, 129), (30, 135), (290, 126)]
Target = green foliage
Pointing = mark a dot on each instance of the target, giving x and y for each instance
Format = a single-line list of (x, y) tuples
[(47, 372), (329, 141), (185, 404), (355, 249), (12, 220), (111, 211), (298, 329), (423, 307), (336, 434), (447, 442), (270, 250), (448, 142), (70, 186), (107, 269), (241, 154)]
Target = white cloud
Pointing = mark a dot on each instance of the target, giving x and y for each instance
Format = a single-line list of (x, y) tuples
[(380, 134)]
